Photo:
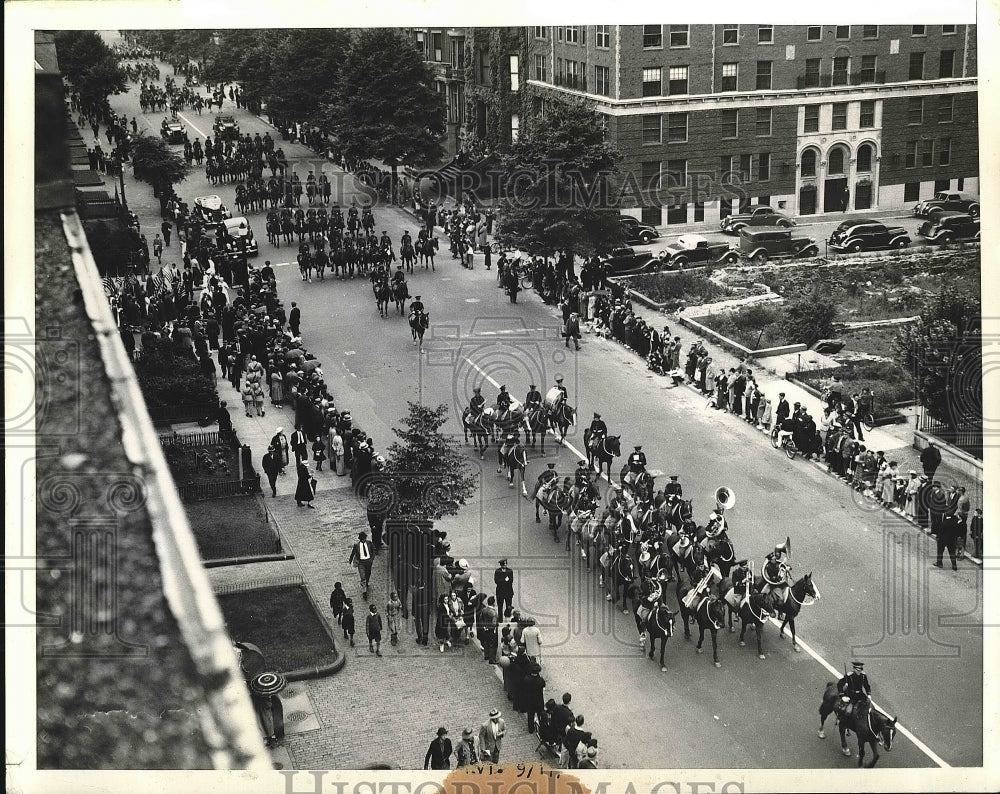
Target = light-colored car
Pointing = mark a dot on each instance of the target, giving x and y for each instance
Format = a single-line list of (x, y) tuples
[(755, 215), (211, 209), (693, 249)]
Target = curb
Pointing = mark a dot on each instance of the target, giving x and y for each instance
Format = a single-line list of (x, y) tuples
[(317, 671), (223, 561)]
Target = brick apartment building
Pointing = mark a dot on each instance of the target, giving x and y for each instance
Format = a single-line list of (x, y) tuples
[(810, 119)]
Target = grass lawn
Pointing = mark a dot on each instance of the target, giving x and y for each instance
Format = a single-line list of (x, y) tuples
[(280, 621), (203, 464), (232, 527), (756, 327), (680, 289), (889, 382)]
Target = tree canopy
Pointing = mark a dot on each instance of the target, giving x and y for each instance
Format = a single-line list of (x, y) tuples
[(90, 64), (430, 475), (153, 161), (559, 183), (943, 351), (385, 105)]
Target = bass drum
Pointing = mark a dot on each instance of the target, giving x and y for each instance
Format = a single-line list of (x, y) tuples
[(553, 399)]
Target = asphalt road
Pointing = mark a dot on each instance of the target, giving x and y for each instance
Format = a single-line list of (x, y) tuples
[(919, 629)]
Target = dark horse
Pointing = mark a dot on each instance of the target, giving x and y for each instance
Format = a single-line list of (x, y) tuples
[(708, 611), (618, 573), (658, 625), (639, 484), (753, 611), (399, 295), (419, 322), (479, 429), (425, 249), (603, 452), (788, 602), (512, 457), (871, 727), (536, 424), (560, 420), (383, 294)]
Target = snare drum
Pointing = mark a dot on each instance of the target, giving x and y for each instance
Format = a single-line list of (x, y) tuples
[(553, 399)]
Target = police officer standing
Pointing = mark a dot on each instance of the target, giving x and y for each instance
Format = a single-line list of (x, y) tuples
[(503, 578)]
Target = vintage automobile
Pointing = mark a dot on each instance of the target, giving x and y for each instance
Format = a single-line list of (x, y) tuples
[(225, 127), (636, 232), (237, 228), (946, 227), (210, 210), (693, 249), (948, 201), (756, 215), (867, 235), (628, 261), (759, 245), (173, 132)]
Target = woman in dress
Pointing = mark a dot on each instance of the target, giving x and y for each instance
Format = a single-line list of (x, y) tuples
[(277, 389), (305, 488), (442, 623)]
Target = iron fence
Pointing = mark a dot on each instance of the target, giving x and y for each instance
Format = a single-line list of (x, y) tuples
[(968, 438), (209, 439), (218, 489)]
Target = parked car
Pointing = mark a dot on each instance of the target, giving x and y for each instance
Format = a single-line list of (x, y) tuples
[(173, 132), (636, 231), (628, 261), (756, 215), (946, 227), (693, 249), (225, 126), (867, 235), (948, 201), (210, 210), (759, 245), (237, 228)]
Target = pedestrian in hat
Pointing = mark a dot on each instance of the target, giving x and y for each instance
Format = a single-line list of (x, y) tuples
[(589, 761), (532, 639), (465, 753), (533, 695), (305, 488), (503, 578), (361, 556), (337, 599), (373, 628), (487, 623), (438, 755), (347, 620), (491, 735), (271, 464)]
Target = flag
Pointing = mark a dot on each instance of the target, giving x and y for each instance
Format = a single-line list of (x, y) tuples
[(111, 287)]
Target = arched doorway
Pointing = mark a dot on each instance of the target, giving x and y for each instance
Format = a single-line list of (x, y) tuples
[(864, 168), (808, 169), (836, 195)]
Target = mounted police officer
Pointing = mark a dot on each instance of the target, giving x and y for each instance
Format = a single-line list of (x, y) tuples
[(477, 403), (559, 385), (417, 306), (637, 460), (503, 402), (742, 578), (533, 399), (598, 431), (673, 487), (855, 692)]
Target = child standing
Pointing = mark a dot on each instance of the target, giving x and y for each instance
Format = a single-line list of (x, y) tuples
[(319, 452), (347, 620), (337, 598)]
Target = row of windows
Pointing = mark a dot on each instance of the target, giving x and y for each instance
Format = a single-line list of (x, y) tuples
[(920, 154), (836, 161), (656, 174), (945, 110)]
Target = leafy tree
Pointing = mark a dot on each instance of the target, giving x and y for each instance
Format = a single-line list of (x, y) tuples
[(154, 162), (304, 72), (91, 65), (808, 319), (428, 470), (943, 351), (385, 105), (558, 182)]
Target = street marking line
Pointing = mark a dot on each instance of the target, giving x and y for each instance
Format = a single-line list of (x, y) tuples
[(802, 643), (192, 125), (899, 727)]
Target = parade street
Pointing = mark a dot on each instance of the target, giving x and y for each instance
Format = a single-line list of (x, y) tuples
[(918, 629)]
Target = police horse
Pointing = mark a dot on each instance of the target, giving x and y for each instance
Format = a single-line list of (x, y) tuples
[(399, 295), (638, 484), (561, 414), (603, 452), (512, 458), (425, 250), (656, 621), (535, 424), (479, 428), (788, 601), (419, 322), (873, 729), (619, 573), (383, 295), (707, 610), (550, 497), (753, 610)]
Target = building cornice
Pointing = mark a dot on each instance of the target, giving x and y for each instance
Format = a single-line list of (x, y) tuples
[(699, 102)]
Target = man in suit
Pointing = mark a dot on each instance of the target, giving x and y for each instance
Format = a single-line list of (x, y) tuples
[(487, 622), (439, 753), (361, 556), (562, 716), (294, 319), (503, 578), (930, 459), (782, 410), (576, 737), (300, 444), (533, 694), (491, 735)]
